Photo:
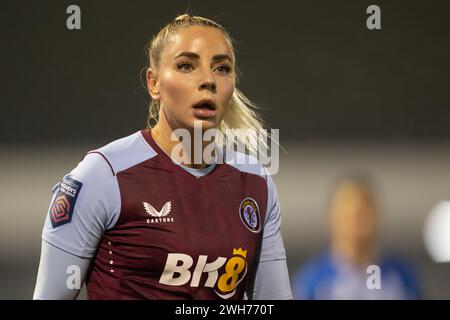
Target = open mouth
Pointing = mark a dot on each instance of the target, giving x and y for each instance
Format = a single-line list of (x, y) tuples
[(205, 109), (205, 104)]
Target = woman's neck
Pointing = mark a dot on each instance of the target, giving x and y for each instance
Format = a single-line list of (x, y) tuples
[(162, 134)]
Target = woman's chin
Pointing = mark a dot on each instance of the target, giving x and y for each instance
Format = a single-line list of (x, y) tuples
[(204, 123)]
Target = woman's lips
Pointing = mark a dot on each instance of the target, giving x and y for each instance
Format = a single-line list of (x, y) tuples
[(203, 112), (205, 108)]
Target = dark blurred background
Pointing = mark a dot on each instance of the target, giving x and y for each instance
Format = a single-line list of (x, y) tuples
[(344, 98)]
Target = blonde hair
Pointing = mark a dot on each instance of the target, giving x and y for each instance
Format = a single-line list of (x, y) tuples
[(240, 114)]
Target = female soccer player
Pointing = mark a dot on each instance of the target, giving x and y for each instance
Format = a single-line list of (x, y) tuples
[(132, 223)]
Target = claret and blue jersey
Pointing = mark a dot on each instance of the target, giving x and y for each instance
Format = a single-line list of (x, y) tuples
[(156, 230)]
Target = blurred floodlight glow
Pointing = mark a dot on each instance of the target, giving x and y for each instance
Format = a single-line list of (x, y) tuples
[(437, 232)]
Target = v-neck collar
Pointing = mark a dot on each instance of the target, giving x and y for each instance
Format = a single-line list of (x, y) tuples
[(200, 172), (146, 133)]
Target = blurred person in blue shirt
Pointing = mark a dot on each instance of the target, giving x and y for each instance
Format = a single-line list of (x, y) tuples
[(352, 268)]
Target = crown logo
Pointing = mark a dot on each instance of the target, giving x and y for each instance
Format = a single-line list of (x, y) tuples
[(239, 252)]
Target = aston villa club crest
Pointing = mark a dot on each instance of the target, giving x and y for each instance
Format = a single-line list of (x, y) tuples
[(249, 213)]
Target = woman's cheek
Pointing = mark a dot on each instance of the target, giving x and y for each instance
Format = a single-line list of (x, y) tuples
[(228, 94), (173, 89)]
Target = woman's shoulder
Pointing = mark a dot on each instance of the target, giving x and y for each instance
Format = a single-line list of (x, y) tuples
[(124, 153)]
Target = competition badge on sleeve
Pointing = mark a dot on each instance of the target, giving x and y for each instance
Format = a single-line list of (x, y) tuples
[(63, 204)]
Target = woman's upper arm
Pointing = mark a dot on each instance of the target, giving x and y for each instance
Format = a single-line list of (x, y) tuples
[(272, 277), (84, 205), (61, 274)]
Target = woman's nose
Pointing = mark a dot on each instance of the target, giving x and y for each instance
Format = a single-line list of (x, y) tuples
[(208, 82)]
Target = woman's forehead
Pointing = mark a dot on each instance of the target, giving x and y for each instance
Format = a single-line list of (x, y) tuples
[(202, 40)]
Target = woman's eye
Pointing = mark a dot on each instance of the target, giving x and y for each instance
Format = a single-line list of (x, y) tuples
[(224, 69), (185, 67)]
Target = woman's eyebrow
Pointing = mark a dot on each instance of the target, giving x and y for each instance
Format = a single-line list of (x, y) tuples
[(193, 55)]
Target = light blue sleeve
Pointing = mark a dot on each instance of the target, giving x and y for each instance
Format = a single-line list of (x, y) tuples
[(272, 277), (272, 247), (94, 207), (272, 281), (61, 274)]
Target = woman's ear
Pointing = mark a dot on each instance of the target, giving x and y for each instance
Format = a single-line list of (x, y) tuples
[(152, 84)]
